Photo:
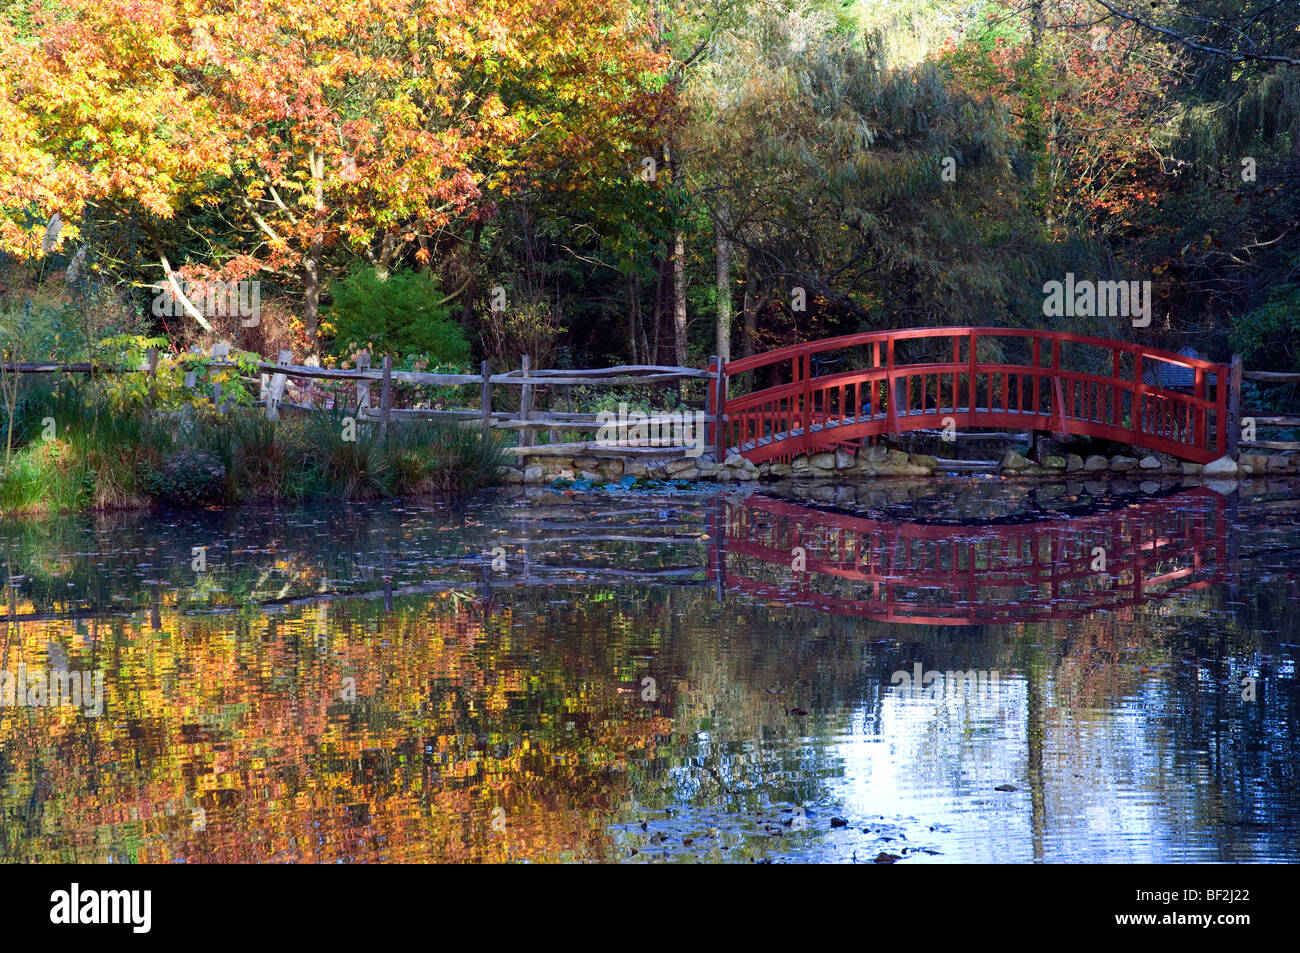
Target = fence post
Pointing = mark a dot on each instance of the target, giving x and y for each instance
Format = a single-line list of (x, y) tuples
[(220, 351), (525, 402), (1232, 426), (363, 386), (386, 397), (192, 376), (487, 399), (277, 386)]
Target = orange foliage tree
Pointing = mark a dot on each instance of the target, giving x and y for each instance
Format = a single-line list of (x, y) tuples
[(293, 137)]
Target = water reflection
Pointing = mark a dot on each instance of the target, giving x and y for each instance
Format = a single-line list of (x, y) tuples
[(994, 571), (374, 683)]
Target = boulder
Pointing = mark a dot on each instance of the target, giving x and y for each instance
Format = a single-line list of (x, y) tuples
[(843, 460), (634, 468), (876, 453), (924, 461), (688, 474), (586, 463), (1096, 462), (1190, 469), (1073, 462), (1220, 467), (673, 467), (1150, 462), (800, 465), (742, 474), (1122, 464), (511, 475), (533, 474), (1054, 462), (780, 469), (1014, 462), (1278, 463), (822, 461)]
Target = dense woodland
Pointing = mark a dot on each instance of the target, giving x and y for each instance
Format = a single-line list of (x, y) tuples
[(647, 182)]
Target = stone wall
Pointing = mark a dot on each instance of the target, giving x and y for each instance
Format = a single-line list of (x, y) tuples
[(877, 460)]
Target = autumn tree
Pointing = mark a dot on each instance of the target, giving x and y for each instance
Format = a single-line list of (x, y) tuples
[(290, 139)]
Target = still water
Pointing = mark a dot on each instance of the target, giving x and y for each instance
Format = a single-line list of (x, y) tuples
[(948, 672)]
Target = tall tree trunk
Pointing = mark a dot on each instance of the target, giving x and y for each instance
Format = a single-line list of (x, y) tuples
[(679, 299), (680, 349), (311, 265), (722, 260), (635, 329), (467, 306)]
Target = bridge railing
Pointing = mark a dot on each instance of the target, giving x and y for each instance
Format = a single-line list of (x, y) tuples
[(1112, 394)]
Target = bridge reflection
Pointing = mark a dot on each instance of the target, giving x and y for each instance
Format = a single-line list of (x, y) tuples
[(989, 572)]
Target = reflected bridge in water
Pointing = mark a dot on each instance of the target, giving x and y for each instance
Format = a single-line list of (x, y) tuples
[(974, 573)]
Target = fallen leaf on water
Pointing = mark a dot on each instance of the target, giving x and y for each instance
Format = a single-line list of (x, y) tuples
[(883, 858), (1006, 787)]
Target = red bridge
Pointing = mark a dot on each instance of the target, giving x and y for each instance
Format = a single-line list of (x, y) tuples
[(935, 378)]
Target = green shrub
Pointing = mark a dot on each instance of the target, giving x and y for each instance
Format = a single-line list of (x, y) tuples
[(399, 316)]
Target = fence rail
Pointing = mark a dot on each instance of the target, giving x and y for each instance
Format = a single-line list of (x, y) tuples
[(274, 378)]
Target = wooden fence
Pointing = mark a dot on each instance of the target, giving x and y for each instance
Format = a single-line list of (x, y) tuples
[(526, 421)]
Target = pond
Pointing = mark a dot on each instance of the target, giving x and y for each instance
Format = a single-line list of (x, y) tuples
[(944, 672)]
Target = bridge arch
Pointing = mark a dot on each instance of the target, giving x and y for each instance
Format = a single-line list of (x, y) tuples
[(977, 377)]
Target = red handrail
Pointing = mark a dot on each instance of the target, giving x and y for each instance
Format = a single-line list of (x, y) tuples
[(808, 414)]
